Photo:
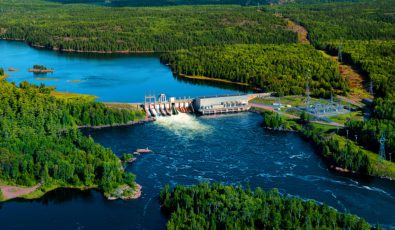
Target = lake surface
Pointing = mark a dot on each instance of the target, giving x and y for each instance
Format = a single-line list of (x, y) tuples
[(111, 77), (231, 149)]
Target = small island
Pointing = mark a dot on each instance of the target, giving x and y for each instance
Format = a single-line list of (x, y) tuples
[(40, 69)]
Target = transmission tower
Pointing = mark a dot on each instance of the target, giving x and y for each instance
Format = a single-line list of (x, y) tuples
[(382, 147), (371, 87), (307, 93), (339, 54)]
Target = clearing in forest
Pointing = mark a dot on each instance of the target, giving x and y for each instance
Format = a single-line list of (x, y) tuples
[(11, 192), (356, 80), (300, 30)]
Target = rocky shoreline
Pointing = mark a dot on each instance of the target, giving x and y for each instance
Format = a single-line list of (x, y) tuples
[(120, 193)]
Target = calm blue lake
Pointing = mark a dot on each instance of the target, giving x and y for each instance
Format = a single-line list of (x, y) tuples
[(231, 149), (111, 77)]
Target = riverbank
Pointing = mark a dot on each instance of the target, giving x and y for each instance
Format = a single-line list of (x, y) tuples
[(145, 120), (88, 51), (10, 192), (340, 154), (126, 193), (204, 78)]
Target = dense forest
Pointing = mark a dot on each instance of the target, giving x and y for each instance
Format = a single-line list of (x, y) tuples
[(219, 206), (191, 2), (284, 69), (362, 34), (39, 142), (164, 2), (95, 28)]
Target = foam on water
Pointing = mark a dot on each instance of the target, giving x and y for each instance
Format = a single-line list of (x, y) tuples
[(183, 124)]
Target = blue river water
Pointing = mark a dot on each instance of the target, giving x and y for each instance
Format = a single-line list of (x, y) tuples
[(111, 77), (231, 149)]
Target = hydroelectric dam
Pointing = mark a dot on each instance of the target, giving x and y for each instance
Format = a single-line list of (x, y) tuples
[(207, 105)]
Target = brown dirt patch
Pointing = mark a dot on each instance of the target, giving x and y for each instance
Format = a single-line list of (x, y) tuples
[(11, 192)]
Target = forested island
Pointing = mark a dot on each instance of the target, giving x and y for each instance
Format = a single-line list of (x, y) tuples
[(40, 143), (40, 69), (218, 206)]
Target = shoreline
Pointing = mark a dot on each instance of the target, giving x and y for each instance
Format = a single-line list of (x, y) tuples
[(38, 193), (204, 78), (135, 195), (328, 161), (130, 123), (40, 70), (216, 80), (83, 51)]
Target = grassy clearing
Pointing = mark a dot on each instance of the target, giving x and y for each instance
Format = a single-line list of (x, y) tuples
[(69, 96), (322, 127), (380, 167), (294, 101), (124, 106), (45, 189), (343, 118)]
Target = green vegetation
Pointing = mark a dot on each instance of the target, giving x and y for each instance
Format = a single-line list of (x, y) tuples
[(369, 133), (364, 32), (218, 206), (339, 151), (2, 72), (73, 96), (275, 121), (293, 100), (39, 141), (344, 118), (127, 157), (279, 68), (162, 2), (95, 28), (345, 155), (374, 57), (40, 67)]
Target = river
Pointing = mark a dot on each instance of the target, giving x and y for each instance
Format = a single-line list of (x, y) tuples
[(111, 77), (231, 149)]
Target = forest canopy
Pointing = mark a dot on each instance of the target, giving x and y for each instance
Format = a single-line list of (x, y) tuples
[(40, 142), (284, 69), (146, 29), (219, 206)]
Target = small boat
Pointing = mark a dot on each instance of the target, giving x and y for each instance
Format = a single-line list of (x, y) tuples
[(146, 150)]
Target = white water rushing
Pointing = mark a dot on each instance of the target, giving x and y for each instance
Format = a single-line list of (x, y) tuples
[(184, 125)]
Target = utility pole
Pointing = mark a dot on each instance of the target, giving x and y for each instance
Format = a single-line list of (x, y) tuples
[(307, 92), (382, 146), (371, 87), (339, 54)]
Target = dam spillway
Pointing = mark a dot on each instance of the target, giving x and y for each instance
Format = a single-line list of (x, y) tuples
[(205, 105)]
